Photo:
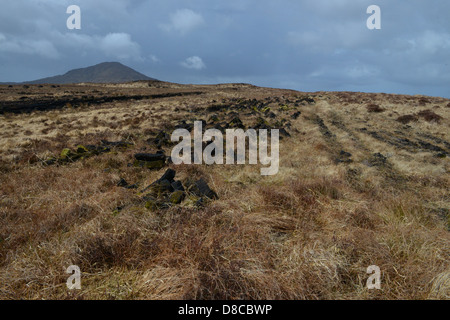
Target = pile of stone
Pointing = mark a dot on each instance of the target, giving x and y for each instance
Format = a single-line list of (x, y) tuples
[(166, 192), (153, 161), (68, 155)]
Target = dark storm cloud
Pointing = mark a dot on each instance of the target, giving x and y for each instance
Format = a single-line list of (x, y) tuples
[(305, 45)]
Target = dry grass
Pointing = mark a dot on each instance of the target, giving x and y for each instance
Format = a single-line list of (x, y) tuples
[(309, 232)]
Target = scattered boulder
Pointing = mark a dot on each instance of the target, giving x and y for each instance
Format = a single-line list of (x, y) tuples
[(284, 132), (166, 192), (124, 184), (150, 160), (116, 144), (296, 115), (261, 123), (163, 184), (150, 157), (177, 186), (235, 123), (184, 125), (168, 175), (377, 160), (219, 127), (271, 115), (306, 100), (201, 188), (177, 197), (214, 118), (82, 152), (344, 157), (66, 154), (161, 139), (153, 165)]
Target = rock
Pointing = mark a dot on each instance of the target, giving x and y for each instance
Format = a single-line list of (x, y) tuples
[(177, 197), (177, 186), (95, 150), (261, 123), (163, 184), (151, 205), (201, 188), (307, 100), (66, 154), (162, 138), (344, 157), (377, 160), (168, 175), (271, 115), (200, 202), (219, 127), (160, 187), (284, 133), (214, 118), (236, 123), (150, 160), (82, 149), (50, 161), (150, 157), (117, 144), (296, 115), (154, 165), (184, 125), (122, 183)]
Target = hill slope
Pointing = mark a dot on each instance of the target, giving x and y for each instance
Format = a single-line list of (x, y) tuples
[(106, 72)]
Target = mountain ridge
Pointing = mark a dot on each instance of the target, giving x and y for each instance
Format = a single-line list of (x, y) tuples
[(105, 72)]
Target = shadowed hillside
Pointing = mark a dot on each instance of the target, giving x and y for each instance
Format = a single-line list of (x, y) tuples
[(107, 72)]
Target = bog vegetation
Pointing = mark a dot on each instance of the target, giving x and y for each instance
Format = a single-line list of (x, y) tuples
[(363, 180)]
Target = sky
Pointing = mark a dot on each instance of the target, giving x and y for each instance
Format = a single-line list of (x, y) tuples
[(305, 45)]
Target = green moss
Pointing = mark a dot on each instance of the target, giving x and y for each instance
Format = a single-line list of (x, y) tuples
[(160, 188), (191, 200), (151, 205), (82, 149), (265, 110), (66, 154), (214, 118), (260, 122), (177, 197)]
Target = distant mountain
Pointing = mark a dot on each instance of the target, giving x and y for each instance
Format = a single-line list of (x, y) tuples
[(106, 72)]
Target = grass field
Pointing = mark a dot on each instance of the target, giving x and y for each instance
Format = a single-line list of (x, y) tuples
[(363, 180)]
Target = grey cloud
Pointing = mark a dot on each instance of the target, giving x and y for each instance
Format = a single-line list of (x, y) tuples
[(307, 45), (194, 62), (183, 21)]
